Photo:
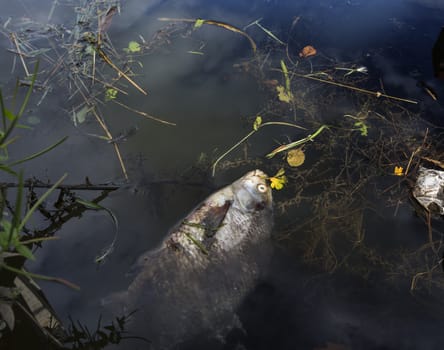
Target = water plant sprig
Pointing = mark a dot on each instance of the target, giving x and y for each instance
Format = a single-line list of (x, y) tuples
[(256, 127)]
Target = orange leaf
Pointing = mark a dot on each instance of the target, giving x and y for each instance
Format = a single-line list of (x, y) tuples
[(307, 51)]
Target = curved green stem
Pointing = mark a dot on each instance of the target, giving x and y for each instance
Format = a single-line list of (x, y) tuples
[(247, 136), (296, 143)]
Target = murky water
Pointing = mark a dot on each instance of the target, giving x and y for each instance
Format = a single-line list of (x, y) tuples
[(323, 289)]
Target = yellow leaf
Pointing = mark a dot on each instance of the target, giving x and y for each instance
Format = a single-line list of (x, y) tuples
[(199, 22), (277, 183), (399, 171), (295, 157), (257, 122), (283, 94)]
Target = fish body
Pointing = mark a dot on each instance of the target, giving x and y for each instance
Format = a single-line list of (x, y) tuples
[(190, 287)]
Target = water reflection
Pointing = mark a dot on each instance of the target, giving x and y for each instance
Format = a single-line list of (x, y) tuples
[(348, 244)]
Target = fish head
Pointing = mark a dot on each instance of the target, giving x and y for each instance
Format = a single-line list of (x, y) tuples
[(252, 192)]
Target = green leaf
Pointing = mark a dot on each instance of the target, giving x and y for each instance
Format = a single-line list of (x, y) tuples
[(287, 79), (17, 210), (257, 122), (25, 251), (42, 277), (133, 47), (8, 114), (88, 204), (362, 127), (38, 154), (283, 94), (110, 94), (199, 22), (4, 234), (7, 169)]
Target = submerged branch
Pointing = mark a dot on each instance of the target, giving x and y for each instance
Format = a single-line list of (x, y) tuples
[(144, 114), (38, 184), (200, 22)]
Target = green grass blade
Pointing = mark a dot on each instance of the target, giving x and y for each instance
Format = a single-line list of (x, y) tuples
[(3, 109), (17, 210), (41, 277), (7, 169), (287, 78), (18, 201), (38, 154), (9, 129)]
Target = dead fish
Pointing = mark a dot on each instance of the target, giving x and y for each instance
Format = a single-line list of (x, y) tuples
[(190, 287), (428, 90)]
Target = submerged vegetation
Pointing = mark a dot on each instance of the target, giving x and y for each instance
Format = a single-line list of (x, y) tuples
[(362, 154), (23, 307)]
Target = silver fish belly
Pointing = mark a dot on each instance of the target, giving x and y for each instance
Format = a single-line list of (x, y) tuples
[(191, 286)]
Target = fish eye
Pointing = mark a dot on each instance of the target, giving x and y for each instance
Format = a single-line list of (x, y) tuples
[(261, 188)]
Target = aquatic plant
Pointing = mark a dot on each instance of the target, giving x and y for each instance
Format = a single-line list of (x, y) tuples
[(17, 240)]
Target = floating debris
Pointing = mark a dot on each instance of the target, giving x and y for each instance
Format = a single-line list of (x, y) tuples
[(428, 190), (307, 51)]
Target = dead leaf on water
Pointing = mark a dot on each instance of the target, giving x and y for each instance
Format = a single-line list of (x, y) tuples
[(307, 51), (295, 157)]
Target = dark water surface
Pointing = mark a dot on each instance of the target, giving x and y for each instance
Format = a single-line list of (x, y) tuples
[(306, 301)]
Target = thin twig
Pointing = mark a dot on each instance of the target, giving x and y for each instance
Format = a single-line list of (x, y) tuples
[(115, 145), (216, 23), (38, 184), (107, 60), (143, 113), (415, 152), (14, 39), (374, 93)]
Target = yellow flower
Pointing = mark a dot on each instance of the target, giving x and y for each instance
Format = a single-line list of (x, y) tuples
[(398, 171), (279, 180)]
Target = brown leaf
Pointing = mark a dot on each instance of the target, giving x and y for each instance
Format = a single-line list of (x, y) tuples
[(307, 51)]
